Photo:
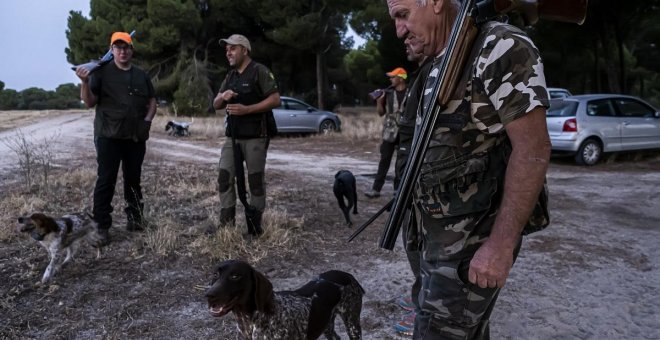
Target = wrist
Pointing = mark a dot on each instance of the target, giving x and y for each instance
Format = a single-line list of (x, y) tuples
[(504, 245)]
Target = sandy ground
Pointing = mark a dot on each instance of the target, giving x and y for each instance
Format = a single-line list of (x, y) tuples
[(593, 274)]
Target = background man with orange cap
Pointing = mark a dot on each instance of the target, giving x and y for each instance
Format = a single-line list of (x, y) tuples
[(125, 105), (390, 104)]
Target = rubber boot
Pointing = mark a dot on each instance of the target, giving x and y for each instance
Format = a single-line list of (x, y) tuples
[(134, 217), (228, 216), (254, 223)]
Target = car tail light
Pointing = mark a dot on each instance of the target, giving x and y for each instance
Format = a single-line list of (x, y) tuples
[(570, 125)]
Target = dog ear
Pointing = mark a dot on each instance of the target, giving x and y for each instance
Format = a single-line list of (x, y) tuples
[(44, 222), (263, 292)]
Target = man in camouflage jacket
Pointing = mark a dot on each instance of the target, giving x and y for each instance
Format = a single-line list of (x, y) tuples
[(483, 170)]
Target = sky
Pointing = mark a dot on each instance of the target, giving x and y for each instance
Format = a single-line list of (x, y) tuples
[(34, 55)]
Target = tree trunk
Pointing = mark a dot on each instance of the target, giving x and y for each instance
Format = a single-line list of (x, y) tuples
[(622, 62), (320, 79), (596, 84)]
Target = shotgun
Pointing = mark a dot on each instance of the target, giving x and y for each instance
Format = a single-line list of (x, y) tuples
[(97, 64), (459, 46)]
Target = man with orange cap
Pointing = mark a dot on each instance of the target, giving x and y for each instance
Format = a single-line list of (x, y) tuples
[(125, 105), (390, 105)]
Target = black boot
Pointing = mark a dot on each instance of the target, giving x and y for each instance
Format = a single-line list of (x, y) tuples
[(103, 238), (228, 216), (253, 220), (134, 224), (134, 217)]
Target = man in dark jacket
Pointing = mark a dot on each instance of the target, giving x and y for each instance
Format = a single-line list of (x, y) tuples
[(248, 93), (125, 105)]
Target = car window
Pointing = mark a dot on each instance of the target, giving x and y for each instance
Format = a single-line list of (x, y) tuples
[(562, 108), (600, 108), (633, 108), (558, 94), (292, 105)]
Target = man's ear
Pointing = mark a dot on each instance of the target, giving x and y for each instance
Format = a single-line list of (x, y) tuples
[(439, 5)]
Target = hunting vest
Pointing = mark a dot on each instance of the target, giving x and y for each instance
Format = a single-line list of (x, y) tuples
[(253, 125), (123, 101)]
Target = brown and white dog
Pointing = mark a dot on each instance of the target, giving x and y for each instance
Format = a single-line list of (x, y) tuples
[(58, 235)]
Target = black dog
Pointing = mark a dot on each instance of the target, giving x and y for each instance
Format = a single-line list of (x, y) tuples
[(305, 313), (177, 128), (345, 187)]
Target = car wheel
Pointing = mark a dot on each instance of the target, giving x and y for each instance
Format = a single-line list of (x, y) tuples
[(327, 126), (589, 153)]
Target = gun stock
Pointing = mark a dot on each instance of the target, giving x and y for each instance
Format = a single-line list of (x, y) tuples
[(458, 49), (571, 11)]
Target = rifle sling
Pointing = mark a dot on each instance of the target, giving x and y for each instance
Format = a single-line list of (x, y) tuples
[(239, 174)]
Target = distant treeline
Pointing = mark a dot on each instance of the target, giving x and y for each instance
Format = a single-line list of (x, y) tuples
[(66, 96)]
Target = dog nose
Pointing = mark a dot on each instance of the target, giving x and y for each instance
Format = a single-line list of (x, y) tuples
[(21, 220)]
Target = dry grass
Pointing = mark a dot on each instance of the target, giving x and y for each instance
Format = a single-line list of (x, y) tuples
[(357, 123), (70, 191), (14, 205), (281, 233), (162, 238), (180, 206), (361, 127), (182, 200), (202, 128)]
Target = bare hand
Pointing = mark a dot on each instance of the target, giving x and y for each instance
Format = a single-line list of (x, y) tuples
[(490, 265), (237, 109), (228, 95), (83, 74)]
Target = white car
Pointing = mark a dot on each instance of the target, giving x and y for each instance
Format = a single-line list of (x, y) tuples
[(556, 92), (588, 125)]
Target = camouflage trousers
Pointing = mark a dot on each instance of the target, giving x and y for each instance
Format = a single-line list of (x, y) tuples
[(451, 306), (254, 150)]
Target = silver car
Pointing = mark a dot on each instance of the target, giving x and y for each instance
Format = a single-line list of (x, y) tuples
[(295, 116), (588, 125)]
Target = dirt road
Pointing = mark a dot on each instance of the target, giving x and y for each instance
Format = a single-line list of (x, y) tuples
[(593, 274)]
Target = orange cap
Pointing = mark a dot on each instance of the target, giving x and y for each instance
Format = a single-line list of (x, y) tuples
[(123, 36), (398, 72)]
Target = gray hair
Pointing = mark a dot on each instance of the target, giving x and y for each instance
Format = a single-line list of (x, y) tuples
[(453, 3)]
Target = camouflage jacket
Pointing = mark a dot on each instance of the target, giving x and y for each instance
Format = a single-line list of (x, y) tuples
[(504, 82)]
